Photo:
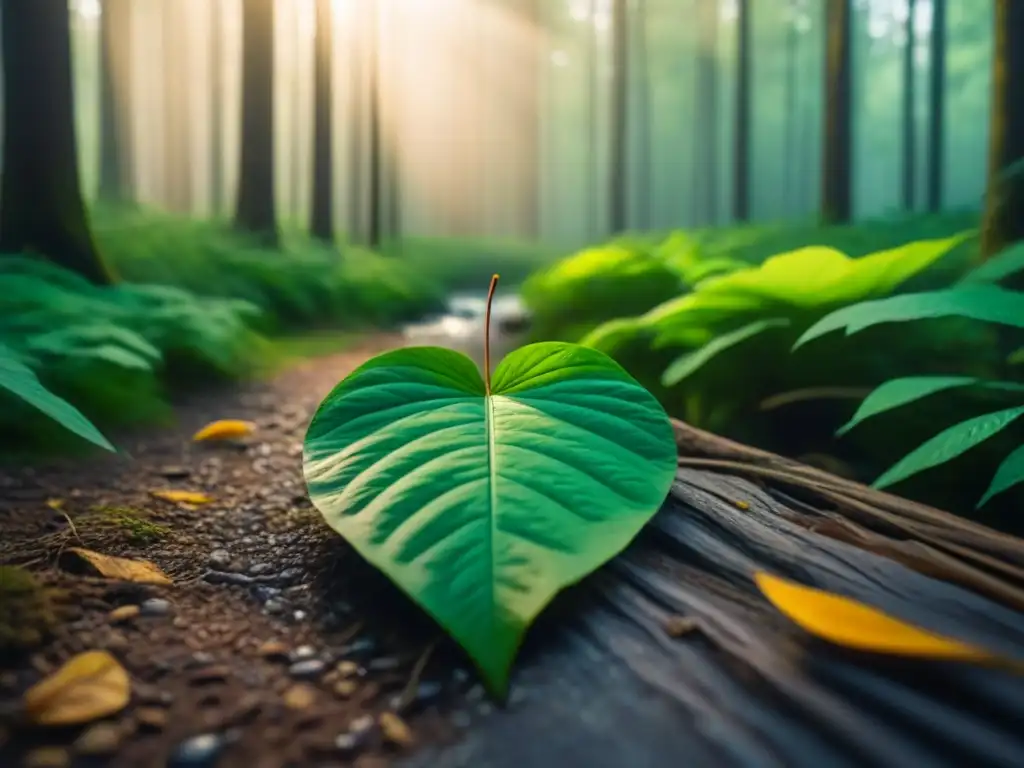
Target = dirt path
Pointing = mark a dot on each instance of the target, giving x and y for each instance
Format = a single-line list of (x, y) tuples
[(256, 656)]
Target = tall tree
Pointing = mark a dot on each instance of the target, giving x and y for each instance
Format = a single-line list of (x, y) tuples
[(909, 123), (321, 223), (790, 117), (358, 55), (592, 149), (178, 165), (255, 209), (216, 148), (937, 105), (619, 125), (42, 209), (741, 132), (836, 200), (374, 181), (1004, 206), (706, 167), (116, 147), (643, 121)]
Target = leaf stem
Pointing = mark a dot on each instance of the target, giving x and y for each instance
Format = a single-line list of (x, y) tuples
[(487, 335)]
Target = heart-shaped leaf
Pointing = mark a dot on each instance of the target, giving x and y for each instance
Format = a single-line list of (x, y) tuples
[(482, 506)]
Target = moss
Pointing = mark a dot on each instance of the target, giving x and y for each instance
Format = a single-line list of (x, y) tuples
[(129, 522), (27, 613)]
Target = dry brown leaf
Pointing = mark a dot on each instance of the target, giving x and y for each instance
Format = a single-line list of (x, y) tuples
[(89, 686), (224, 429), (848, 623), (121, 568), (182, 497)]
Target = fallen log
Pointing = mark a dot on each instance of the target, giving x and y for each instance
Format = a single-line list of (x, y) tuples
[(669, 656)]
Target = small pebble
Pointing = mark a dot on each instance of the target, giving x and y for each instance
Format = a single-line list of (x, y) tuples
[(99, 739), (199, 658), (220, 558), (395, 730), (173, 472), (347, 668), (155, 606), (308, 668), (258, 569), (357, 735), (345, 688), (302, 653), (273, 649), (300, 696), (274, 606), (198, 752), (299, 615), (124, 613), (677, 626), (47, 757), (152, 718)]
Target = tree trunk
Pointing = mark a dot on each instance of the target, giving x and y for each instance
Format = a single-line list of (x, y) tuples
[(177, 117), (115, 103), (643, 86), (592, 148), (937, 106), (358, 56), (42, 209), (1004, 206), (321, 223), (619, 159), (705, 169), (790, 118), (373, 139), (909, 123), (216, 108), (835, 187), (741, 133), (256, 210)]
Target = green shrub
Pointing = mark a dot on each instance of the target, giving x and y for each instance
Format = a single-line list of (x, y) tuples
[(977, 297)]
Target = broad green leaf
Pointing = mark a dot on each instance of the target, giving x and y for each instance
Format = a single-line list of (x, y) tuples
[(897, 392), (482, 507), (19, 379), (949, 444), (987, 303), (1010, 472), (686, 365), (1016, 357), (1002, 265)]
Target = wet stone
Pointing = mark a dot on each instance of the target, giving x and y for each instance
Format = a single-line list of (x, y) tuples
[(263, 593), (307, 669), (299, 616), (199, 751), (219, 577), (302, 653), (220, 559), (99, 739), (274, 605), (155, 606), (259, 569)]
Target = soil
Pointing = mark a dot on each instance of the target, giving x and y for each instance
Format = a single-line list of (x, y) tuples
[(274, 646)]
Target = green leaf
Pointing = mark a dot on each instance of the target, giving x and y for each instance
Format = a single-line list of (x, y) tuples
[(686, 365), (1016, 357), (16, 377), (987, 303), (896, 392), (483, 507), (1010, 472), (1000, 266), (949, 444)]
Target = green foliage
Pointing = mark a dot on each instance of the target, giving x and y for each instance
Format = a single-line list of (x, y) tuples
[(108, 349), (577, 293), (483, 506), (975, 298), (19, 380)]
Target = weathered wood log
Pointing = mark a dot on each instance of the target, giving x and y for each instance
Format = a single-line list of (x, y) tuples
[(601, 683)]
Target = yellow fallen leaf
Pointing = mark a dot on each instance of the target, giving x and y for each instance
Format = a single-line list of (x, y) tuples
[(55, 504), (224, 429), (848, 623), (120, 568), (183, 497), (742, 504), (89, 686)]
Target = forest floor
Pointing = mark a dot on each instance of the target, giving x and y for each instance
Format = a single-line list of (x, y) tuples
[(257, 654)]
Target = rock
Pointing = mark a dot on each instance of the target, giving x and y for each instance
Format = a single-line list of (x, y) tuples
[(47, 757), (155, 606), (300, 696), (345, 688), (219, 577), (299, 616), (274, 606), (259, 569), (302, 653), (220, 559), (99, 739), (201, 658), (151, 718), (264, 593), (273, 649), (124, 613), (198, 752), (394, 730), (174, 472), (347, 668), (116, 642), (307, 669)]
